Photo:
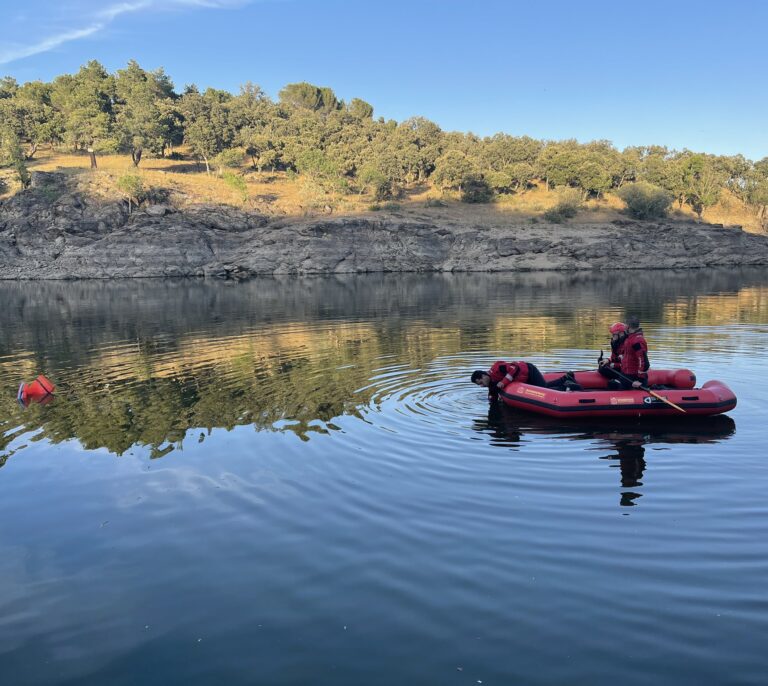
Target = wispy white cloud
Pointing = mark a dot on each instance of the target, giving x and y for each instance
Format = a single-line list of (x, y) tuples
[(100, 20), (17, 53), (114, 11)]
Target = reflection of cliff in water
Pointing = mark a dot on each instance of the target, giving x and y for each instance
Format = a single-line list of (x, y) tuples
[(624, 439), (85, 313), (144, 361)]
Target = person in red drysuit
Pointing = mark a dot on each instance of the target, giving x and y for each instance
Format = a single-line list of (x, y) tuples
[(501, 374), (634, 359), (632, 356), (618, 336)]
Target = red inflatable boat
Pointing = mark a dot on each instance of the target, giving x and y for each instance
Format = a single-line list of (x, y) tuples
[(596, 400)]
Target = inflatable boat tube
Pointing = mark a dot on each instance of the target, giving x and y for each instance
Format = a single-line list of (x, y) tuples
[(714, 397)]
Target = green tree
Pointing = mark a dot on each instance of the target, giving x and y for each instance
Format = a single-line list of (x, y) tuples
[(360, 109), (262, 148), (85, 101), (11, 154), (500, 181), (593, 178), (451, 169), (516, 176), (701, 182), (171, 123), (39, 122), (756, 192), (308, 96), (8, 87), (501, 151), (138, 121), (475, 189), (522, 174), (231, 158), (207, 129), (558, 163)]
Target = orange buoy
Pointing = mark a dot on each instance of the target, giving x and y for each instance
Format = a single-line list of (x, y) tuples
[(38, 391)]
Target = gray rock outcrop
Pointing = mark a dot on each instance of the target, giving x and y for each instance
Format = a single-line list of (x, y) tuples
[(53, 231)]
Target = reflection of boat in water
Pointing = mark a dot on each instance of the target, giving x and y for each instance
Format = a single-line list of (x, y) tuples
[(596, 400), (508, 425), (625, 438)]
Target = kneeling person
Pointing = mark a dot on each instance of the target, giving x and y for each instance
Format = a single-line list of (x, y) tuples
[(633, 363)]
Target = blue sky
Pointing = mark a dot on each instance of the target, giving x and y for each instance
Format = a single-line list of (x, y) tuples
[(679, 73)]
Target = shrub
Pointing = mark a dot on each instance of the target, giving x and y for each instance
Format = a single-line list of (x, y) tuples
[(475, 189), (645, 201), (391, 206), (316, 165), (560, 212), (25, 178), (237, 183), (383, 189), (567, 207), (231, 158), (434, 202), (500, 181), (133, 188), (376, 181), (156, 196)]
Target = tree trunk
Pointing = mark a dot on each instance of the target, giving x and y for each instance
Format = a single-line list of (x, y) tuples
[(92, 155), (207, 167), (136, 156), (32, 150)]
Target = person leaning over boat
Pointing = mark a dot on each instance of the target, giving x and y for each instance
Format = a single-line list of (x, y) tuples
[(501, 374), (634, 358)]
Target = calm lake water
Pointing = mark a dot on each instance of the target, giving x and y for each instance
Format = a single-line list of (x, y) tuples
[(291, 481)]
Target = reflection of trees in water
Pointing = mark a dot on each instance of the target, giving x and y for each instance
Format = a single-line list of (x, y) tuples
[(145, 361), (627, 438)]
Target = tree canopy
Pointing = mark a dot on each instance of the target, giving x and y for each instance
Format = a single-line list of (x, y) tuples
[(310, 131)]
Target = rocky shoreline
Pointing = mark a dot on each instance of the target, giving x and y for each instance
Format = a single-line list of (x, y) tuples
[(54, 231)]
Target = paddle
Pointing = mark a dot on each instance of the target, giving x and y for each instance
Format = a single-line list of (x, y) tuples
[(649, 391)]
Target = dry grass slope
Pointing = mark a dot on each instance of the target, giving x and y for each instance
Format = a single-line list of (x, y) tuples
[(280, 194)]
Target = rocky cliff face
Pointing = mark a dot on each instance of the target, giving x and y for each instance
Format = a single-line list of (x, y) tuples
[(52, 231)]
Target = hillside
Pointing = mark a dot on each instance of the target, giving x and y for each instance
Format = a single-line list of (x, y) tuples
[(84, 224), (283, 194)]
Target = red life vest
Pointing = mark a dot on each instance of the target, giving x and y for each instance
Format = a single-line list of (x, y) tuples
[(616, 352), (634, 355), (517, 370)]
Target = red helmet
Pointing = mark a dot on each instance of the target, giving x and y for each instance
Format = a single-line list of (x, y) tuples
[(617, 328)]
